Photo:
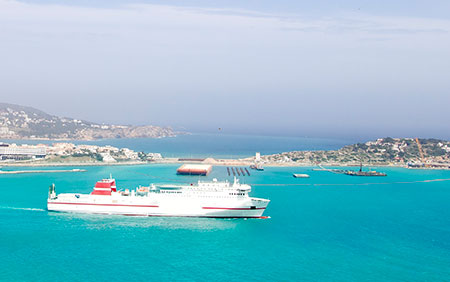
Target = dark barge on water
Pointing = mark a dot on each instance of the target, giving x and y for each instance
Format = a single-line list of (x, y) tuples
[(364, 173)]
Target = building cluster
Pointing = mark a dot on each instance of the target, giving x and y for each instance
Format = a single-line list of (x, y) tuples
[(4, 131), (15, 152), (108, 154), (413, 152)]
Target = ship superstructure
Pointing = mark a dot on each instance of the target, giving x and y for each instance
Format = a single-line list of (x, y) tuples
[(203, 199)]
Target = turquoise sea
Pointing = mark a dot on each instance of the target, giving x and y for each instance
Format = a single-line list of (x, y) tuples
[(329, 227), (203, 145)]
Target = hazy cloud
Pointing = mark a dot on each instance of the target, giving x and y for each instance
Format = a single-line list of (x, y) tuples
[(232, 68)]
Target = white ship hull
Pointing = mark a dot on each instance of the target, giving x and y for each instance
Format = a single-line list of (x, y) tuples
[(213, 199), (252, 208)]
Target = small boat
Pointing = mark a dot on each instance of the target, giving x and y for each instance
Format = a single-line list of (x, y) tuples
[(301, 175), (257, 167)]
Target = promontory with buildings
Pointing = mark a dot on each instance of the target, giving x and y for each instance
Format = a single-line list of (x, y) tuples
[(410, 152), (19, 122), (63, 153)]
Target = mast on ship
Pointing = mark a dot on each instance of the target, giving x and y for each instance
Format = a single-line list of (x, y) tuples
[(51, 192)]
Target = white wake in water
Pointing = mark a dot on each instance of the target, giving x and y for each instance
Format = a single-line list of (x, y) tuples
[(23, 209)]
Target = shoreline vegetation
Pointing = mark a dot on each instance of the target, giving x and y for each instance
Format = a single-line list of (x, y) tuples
[(398, 152)]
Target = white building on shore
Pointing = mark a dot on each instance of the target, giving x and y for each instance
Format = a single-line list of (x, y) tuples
[(22, 152)]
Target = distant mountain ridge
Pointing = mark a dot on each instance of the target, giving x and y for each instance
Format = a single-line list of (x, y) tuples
[(21, 122)]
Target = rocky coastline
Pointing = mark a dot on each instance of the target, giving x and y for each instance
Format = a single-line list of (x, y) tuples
[(398, 152)]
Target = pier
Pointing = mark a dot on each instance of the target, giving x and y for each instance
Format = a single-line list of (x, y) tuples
[(239, 171)]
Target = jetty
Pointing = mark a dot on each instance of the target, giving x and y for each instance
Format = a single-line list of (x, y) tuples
[(40, 171)]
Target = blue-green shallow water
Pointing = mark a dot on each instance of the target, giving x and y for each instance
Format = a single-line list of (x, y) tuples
[(331, 232)]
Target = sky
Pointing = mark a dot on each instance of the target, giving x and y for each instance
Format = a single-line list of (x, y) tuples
[(293, 68)]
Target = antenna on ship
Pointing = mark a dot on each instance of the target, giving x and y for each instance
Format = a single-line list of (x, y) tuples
[(110, 176), (51, 191)]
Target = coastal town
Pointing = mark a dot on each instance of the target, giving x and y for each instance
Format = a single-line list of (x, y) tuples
[(403, 152), (68, 153), (26, 123), (410, 152)]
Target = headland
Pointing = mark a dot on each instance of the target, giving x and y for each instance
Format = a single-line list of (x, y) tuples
[(19, 122)]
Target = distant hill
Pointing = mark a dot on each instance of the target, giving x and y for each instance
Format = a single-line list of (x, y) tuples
[(381, 151), (19, 122)]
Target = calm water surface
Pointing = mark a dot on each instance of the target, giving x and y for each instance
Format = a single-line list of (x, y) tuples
[(214, 145), (333, 228)]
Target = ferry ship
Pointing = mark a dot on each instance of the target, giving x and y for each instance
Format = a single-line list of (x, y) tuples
[(203, 199)]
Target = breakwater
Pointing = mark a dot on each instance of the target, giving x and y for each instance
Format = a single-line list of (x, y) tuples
[(40, 171)]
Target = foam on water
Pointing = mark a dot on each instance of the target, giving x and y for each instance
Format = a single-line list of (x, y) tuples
[(22, 209)]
